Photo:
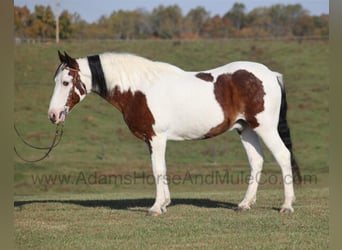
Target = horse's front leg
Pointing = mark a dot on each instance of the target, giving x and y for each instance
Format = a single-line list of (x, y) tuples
[(158, 148)]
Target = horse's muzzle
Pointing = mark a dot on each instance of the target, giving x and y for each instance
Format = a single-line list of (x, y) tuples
[(57, 117)]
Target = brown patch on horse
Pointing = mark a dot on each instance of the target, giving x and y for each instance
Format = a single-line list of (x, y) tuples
[(205, 76), (238, 93), (74, 98), (136, 112), (252, 93)]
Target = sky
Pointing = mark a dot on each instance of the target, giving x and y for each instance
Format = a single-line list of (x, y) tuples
[(91, 10)]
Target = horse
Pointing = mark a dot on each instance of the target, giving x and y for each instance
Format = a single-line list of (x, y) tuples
[(161, 102)]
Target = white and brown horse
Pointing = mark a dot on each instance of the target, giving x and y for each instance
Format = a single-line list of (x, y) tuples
[(161, 102)]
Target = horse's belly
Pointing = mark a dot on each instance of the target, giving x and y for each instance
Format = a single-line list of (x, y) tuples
[(186, 114), (188, 126)]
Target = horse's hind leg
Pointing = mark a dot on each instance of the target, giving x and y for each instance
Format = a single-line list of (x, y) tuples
[(158, 148), (269, 134), (253, 149)]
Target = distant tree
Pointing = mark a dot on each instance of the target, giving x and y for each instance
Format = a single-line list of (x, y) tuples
[(237, 15), (259, 21), (303, 26), (278, 17), (217, 27), (22, 17), (297, 16), (42, 24), (78, 26), (101, 29), (124, 24), (65, 25), (195, 20), (321, 25), (167, 21), (295, 11), (284, 17), (143, 25)]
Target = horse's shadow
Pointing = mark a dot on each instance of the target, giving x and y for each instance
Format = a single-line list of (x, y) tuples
[(134, 204)]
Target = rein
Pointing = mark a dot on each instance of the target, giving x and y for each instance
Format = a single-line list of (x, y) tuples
[(54, 143), (59, 128)]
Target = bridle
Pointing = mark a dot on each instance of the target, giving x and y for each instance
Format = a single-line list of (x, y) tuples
[(59, 128), (54, 143), (76, 83)]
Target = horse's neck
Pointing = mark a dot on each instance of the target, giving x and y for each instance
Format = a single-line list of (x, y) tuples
[(128, 72), (118, 77)]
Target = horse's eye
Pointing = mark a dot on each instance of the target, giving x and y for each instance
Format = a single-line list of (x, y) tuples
[(65, 83)]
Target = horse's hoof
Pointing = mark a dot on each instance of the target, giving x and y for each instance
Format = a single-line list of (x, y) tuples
[(241, 209), (152, 213), (163, 207), (286, 210)]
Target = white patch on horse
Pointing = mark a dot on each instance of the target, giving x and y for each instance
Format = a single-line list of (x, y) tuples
[(184, 107), (138, 74)]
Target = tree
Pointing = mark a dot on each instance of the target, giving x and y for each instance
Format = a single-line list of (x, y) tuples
[(65, 25), (78, 26), (22, 18), (303, 26), (42, 23), (297, 16), (237, 15), (259, 21), (278, 17), (196, 19), (217, 27), (124, 24), (321, 25), (284, 17), (143, 26), (167, 21)]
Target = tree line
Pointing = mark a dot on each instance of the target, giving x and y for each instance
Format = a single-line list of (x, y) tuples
[(168, 22)]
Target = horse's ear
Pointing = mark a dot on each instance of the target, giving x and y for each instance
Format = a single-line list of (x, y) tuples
[(70, 62), (66, 55), (61, 57)]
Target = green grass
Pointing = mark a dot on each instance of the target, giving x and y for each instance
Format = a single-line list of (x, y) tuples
[(202, 220), (97, 142)]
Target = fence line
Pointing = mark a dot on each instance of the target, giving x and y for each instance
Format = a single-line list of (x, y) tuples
[(19, 40)]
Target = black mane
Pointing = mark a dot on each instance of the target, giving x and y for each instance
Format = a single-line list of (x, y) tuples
[(97, 76)]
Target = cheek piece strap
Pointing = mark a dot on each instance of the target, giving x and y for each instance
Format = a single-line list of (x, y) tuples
[(75, 80)]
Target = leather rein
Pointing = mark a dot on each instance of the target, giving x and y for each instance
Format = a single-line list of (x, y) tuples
[(55, 141)]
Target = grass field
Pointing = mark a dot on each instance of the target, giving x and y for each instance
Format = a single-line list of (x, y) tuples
[(94, 189)]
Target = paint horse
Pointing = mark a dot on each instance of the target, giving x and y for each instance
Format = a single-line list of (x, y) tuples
[(161, 102)]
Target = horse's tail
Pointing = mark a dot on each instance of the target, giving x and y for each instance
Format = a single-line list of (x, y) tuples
[(284, 130)]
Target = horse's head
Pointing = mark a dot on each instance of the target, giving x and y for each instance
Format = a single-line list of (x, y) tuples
[(70, 88)]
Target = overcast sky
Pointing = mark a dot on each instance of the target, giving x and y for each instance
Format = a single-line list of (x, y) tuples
[(91, 10)]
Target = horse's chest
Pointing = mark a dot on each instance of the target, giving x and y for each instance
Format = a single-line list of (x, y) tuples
[(136, 112)]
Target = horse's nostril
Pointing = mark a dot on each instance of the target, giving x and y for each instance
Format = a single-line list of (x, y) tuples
[(53, 117)]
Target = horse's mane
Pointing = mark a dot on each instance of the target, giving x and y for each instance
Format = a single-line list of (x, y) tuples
[(131, 72)]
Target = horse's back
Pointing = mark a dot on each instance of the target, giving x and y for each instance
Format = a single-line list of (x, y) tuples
[(258, 69), (186, 104)]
